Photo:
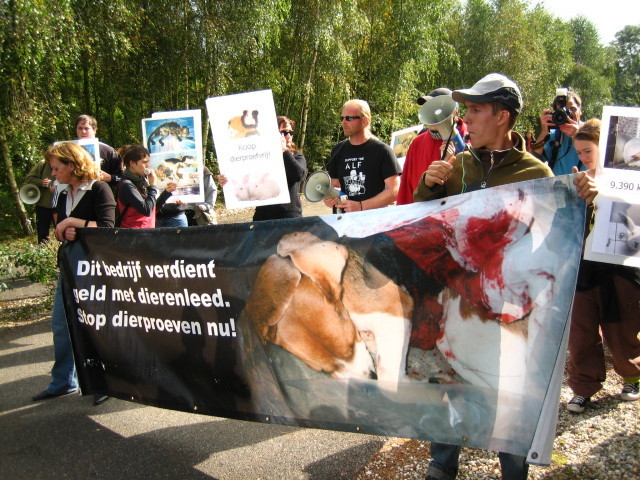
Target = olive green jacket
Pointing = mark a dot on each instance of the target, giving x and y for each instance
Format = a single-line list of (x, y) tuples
[(38, 173), (518, 166)]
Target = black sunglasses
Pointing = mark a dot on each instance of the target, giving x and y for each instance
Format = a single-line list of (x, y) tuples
[(286, 132), (348, 118)]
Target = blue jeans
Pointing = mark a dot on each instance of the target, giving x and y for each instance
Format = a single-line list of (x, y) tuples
[(179, 220), (63, 374), (444, 463)]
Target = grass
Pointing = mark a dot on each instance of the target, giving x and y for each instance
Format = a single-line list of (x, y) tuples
[(22, 258)]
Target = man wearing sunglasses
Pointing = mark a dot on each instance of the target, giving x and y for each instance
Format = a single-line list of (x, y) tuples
[(363, 167)]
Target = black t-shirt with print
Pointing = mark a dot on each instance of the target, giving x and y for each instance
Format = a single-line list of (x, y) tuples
[(362, 169)]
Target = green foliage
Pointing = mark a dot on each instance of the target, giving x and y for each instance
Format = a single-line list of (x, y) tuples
[(122, 60), (37, 263), (627, 48)]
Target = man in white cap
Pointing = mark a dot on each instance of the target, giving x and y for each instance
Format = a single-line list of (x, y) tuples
[(424, 149), (497, 156), (493, 105)]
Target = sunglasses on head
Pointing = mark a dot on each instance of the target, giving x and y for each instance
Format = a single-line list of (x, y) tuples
[(286, 132), (348, 118)]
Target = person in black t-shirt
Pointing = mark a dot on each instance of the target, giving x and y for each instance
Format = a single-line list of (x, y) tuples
[(363, 167)]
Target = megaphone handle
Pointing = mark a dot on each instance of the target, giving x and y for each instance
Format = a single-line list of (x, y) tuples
[(341, 198), (460, 145), (446, 147)]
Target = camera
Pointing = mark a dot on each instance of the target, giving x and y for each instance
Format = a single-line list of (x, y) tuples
[(561, 114)]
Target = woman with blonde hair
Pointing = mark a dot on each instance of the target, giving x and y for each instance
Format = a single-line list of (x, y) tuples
[(85, 203)]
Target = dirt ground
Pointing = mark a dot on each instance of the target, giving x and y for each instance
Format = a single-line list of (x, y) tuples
[(246, 214)]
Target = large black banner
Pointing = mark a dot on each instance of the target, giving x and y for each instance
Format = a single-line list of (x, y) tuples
[(440, 321)]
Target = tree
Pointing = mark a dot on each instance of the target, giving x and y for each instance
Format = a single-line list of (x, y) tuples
[(627, 47), (36, 46), (591, 74)]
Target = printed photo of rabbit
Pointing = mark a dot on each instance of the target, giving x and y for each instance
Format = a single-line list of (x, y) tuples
[(255, 187), (623, 138), (624, 230)]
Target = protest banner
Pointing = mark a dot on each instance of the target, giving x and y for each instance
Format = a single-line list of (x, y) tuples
[(443, 321), (248, 149)]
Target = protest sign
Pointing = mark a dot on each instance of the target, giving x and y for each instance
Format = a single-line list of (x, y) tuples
[(615, 237), (248, 149), (174, 142), (91, 145), (401, 141)]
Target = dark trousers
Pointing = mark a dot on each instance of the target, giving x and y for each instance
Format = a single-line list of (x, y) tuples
[(444, 463), (586, 366), (44, 220)]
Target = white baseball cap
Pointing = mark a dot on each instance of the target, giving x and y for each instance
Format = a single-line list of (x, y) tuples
[(493, 87)]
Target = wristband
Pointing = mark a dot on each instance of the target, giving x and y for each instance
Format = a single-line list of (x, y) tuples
[(360, 206), (86, 224)]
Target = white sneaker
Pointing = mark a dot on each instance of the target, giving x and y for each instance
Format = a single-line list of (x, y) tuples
[(577, 404), (630, 391)]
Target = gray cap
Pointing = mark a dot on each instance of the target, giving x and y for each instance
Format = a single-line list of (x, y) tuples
[(437, 92), (493, 87)]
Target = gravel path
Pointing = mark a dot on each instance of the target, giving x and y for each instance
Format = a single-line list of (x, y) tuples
[(603, 443), (241, 215)]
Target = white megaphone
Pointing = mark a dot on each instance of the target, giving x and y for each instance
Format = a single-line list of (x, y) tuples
[(30, 193), (437, 113), (318, 187)]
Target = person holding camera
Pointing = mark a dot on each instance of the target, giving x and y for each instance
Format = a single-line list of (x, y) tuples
[(558, 127)]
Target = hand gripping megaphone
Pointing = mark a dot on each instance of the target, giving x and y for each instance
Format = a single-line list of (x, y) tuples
[(29, 193), (438, 114), (318, 187)]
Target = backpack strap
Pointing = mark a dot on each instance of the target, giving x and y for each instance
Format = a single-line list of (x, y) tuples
[(120, 214)]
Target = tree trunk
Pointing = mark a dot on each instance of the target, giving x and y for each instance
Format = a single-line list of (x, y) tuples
[(6, 158), (307, 95)]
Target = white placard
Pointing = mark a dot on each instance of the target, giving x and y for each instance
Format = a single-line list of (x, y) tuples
[(249, 149), (91, 145), (401, 140), (615, 237), (174, 141)]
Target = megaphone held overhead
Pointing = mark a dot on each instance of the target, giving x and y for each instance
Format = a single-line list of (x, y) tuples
[(318, 187), (437, 113), (29, 194)]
